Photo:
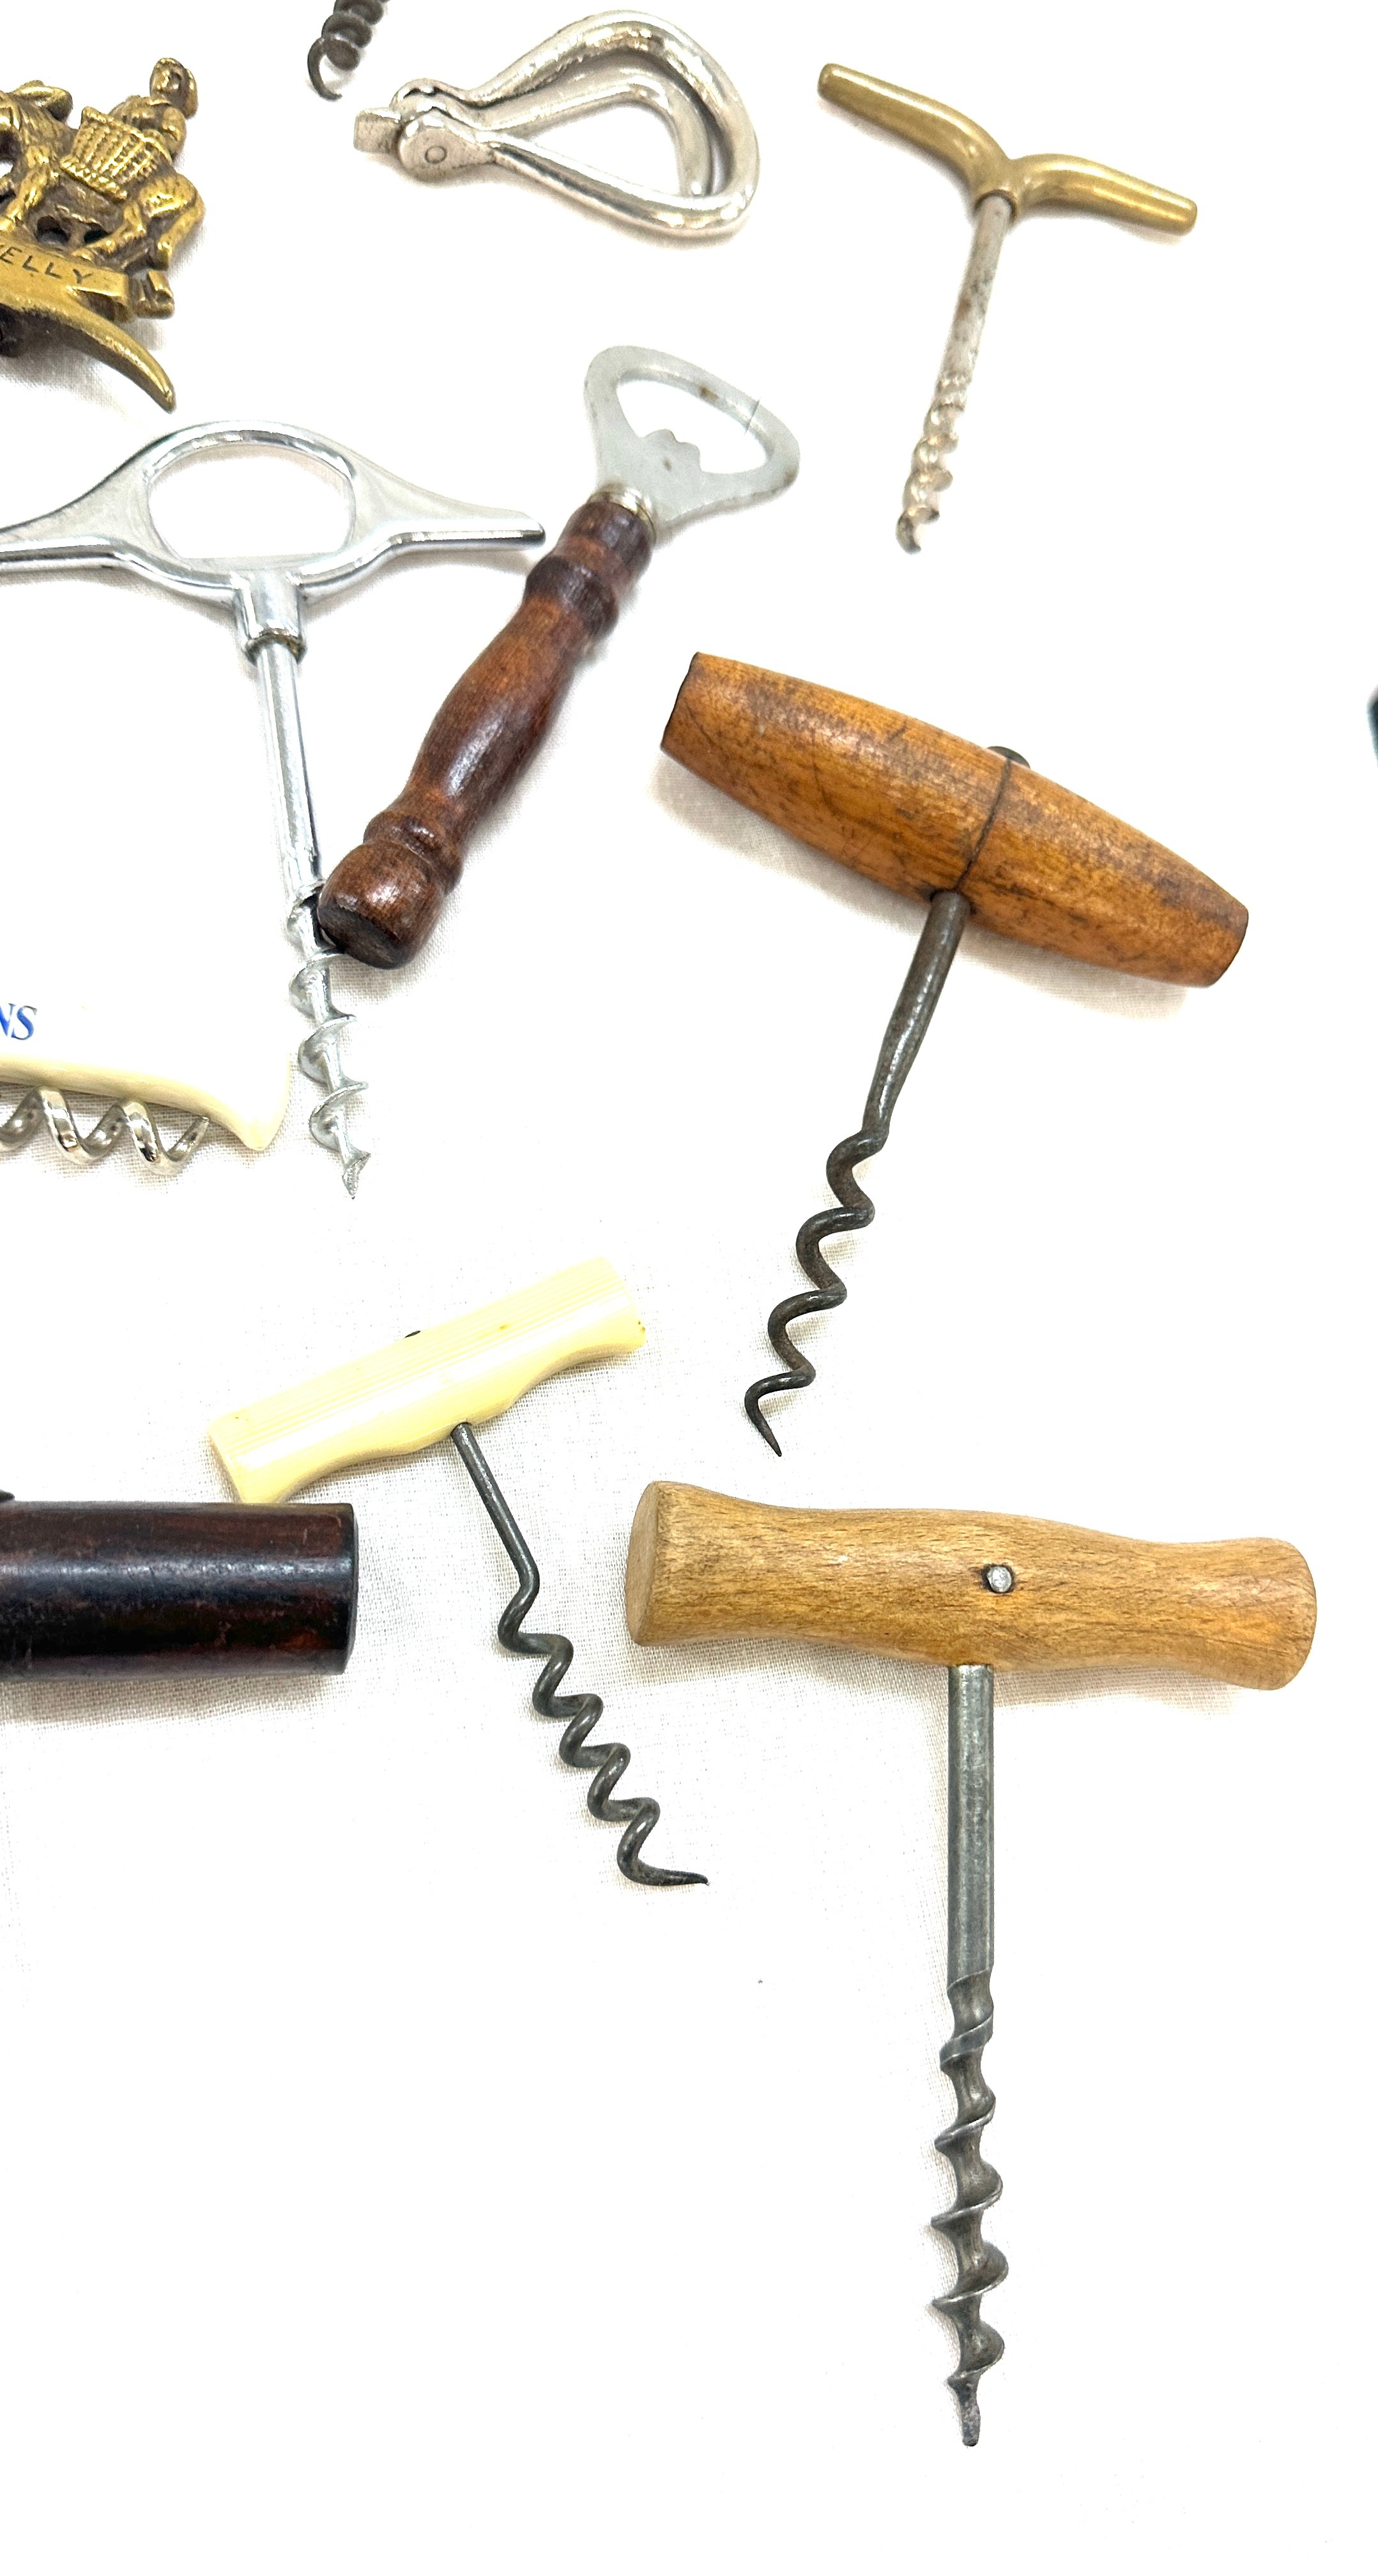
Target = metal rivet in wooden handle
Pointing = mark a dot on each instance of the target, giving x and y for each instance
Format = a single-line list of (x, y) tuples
[(966, 1588), (920, 810), (413, 1393)]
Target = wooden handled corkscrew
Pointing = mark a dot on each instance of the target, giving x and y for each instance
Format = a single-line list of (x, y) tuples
[(383, 900), (979, 833), (981, 1592)]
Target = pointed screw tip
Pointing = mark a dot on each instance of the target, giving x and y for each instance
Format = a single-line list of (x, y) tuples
[(756, 1418), (644, 1873)]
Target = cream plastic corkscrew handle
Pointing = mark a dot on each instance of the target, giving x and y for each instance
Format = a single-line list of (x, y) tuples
[(238, 1075), (413, 1393)]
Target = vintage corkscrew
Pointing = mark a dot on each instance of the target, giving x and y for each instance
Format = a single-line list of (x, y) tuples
[(441, 1382), (999, 189), (344, 38), (161, 1589), (234, 1074), (113, 527), (981, 836), (437, 131), (981, 1593), (383, 900)]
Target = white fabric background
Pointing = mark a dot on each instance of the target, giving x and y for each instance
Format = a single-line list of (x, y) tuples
[(385, 2183)]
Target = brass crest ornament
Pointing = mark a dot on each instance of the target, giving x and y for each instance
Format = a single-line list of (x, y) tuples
[(91, 215)]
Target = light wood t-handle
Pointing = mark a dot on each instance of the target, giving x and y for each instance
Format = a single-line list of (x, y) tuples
[(966, 1588), (415, 1392), (1038, 179)]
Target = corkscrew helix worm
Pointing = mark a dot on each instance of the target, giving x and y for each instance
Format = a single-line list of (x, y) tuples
[(947, 918), (45, 1107), (343, 41), (976, 2188), (319, 1054), (138, 1056), (578, 1712)]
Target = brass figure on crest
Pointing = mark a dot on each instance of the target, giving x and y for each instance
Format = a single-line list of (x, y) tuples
[(91, 215)]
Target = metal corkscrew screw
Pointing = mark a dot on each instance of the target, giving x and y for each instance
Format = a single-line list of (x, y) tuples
[(343, 41), (576, 1712), (947, 918), (970, 1959), (46, 1107), (113, 527), (979, 1592), (999, 189)]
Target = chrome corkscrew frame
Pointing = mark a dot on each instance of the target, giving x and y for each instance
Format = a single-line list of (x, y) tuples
[(437, 131), (112, 527)]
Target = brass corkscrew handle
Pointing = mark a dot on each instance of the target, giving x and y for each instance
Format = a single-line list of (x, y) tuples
[(1038, 179)]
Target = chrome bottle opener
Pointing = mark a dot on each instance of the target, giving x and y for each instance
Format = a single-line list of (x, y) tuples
[(437, 131), (113, 527)]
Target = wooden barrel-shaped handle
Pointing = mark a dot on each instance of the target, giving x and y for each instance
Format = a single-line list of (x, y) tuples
[(383, 900), (966, 1588), (920, 810)]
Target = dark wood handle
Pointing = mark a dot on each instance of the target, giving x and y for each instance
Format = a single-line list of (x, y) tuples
[(914, 1583), (383, 901), (174, 1587), (919, 810)]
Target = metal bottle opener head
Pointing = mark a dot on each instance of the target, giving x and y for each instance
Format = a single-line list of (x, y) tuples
[(437, 131), (660, 474)]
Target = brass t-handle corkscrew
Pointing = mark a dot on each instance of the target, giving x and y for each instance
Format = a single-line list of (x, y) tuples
[(981, 1592), (999, 190)]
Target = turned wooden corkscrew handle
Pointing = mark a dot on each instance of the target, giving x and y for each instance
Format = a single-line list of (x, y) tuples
[(921, 811), (936, 1587), (383, 900)]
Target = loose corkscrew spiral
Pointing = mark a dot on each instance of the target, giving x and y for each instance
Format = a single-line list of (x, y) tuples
[(579, 1711), (980, 2267), (47, 1107), (947, 916), (344, 38)]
